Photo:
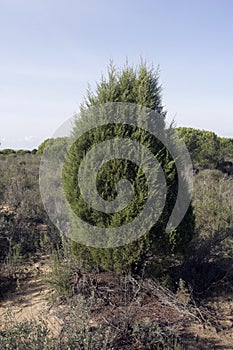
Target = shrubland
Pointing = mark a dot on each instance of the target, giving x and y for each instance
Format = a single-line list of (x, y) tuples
[(181, 273)]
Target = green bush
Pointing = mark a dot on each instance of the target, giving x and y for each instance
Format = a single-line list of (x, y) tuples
[(60, 277), (56, 146), (213, 201), (23, 214), (226, 148), (23, 151), (29, 335), (7, 151), (42, 146), (203, 146), (213, 207), (139, 86)]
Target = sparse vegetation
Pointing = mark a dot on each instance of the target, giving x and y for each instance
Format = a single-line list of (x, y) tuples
[(29, 335), (205, 272), (147, 295)]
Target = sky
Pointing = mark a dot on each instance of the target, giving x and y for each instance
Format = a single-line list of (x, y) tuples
[(50, 50)]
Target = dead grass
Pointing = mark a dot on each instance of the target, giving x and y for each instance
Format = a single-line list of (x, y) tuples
[(125, 299)]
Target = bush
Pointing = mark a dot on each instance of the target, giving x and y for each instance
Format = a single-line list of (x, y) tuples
[(203, 146), (30, 335), (7, 151), (206, 148), (120, 331), (78, 333), (22, 214), (139, 86), (23, 151), (60, 276), (226, 151), (56, 146), (213, 201)]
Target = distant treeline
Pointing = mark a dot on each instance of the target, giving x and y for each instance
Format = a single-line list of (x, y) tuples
[(12, 152), (207, 149)]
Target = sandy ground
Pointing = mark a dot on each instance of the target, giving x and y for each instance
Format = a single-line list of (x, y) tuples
[(32, 300)]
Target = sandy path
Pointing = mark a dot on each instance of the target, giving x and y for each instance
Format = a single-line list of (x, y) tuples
[(31, 299)]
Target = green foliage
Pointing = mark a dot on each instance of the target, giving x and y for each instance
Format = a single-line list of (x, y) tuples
[(23, 151), (41, 147), (226, 148), (203, 146), (56, 146), (79, 332), (209, 257), (21, 211), (213, 201), (7, 151), (139, 86), (59, 278), (213, 207), (29, 335)]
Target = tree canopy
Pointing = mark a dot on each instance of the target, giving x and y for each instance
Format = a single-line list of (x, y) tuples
[(205, 147)]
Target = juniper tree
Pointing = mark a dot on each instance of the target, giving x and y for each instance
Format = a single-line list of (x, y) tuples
[(138, 86)]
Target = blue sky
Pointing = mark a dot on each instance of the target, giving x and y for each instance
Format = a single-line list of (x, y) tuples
[(50, 50)]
